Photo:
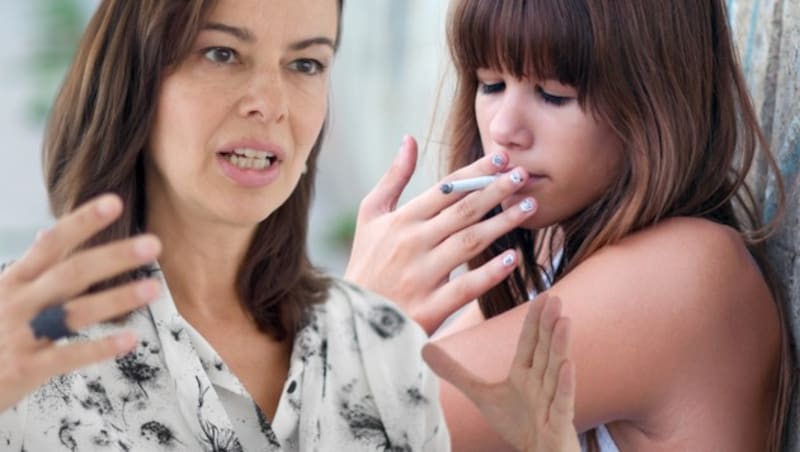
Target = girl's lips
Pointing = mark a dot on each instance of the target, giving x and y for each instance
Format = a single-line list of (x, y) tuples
[(535, 178)]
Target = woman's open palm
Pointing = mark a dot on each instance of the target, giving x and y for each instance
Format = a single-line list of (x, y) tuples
[(533, 408)]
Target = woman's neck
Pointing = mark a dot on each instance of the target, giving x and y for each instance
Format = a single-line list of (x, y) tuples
[(200, 263)]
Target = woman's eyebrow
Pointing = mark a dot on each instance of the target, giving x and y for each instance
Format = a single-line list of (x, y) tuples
[(305, 43), (243, 34)]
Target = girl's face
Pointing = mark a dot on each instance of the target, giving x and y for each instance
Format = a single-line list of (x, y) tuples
[(236, 120), (571, 158)]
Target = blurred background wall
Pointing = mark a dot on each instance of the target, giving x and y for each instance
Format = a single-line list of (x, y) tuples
[(768, 37)]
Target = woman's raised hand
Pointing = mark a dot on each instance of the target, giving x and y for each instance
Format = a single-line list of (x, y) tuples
[(42, 298), (534, 407), (407, 254)]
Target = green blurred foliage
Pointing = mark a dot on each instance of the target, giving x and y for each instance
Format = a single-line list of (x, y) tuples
[(58, 29)]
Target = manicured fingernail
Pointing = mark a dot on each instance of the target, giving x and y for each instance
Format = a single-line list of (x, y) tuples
[(527, 205), (508, 259), (516, 177), (106, 206), (498, 160)]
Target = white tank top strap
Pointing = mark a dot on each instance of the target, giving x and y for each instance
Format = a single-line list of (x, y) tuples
[(604, 440)]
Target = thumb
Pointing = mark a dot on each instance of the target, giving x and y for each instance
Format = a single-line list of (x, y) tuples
[(454, 372), (384, 196)]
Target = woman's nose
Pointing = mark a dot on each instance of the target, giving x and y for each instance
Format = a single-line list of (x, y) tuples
[(264, 98)]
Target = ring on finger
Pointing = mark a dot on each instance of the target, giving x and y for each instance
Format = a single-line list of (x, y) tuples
[(51, 323)]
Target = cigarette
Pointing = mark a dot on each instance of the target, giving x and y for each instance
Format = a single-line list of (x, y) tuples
[(462, 185)]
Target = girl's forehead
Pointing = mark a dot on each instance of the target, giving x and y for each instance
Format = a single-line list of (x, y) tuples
[(528, 39)]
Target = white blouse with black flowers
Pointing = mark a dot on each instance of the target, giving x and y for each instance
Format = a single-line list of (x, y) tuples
[(356, 383)]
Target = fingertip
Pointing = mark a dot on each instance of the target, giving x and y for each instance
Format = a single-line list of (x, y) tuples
[(124, 342), (42, 233), (435, 357), (108, 205), (508, 259)]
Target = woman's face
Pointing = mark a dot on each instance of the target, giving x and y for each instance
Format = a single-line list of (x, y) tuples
[(571, 158), (237, 119)]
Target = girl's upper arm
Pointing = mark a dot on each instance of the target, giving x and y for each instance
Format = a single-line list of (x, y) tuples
[(466, 317), (647, 317)]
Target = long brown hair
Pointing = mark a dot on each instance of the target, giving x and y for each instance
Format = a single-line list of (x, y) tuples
[(97, 135), (666, 78)]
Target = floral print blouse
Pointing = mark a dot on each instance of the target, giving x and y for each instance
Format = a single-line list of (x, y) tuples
[(356, 382)]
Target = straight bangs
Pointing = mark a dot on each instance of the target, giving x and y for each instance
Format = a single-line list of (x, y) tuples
[(536, 39)]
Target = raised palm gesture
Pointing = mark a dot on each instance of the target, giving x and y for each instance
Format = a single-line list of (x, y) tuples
[(533, 408), (43, 299)]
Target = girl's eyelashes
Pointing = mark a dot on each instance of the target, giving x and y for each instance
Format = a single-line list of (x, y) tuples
[(308, 66), (221, 55), (491, 88), (496, 87), (551, 98)]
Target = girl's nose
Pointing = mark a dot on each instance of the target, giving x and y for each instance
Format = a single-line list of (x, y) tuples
[(509, 126)]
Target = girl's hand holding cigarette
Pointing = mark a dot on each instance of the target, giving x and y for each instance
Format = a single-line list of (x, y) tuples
[(407, 254)]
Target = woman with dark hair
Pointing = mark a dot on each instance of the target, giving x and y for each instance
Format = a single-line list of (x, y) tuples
[(623, 133), (199, 123)]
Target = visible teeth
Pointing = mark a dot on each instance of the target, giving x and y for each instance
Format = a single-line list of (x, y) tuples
[(253, 153), (246, 163)]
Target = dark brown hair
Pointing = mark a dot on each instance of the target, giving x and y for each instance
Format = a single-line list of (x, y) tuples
[(666, 78), (98, 132)]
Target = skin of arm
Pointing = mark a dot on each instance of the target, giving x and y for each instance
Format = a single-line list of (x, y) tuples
[(675, 313)]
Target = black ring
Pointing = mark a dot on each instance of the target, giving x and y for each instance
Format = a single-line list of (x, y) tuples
[(50, 323)]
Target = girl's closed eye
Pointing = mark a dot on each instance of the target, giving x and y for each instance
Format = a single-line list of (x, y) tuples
[(552, 98), (491, 88), (220, 55)]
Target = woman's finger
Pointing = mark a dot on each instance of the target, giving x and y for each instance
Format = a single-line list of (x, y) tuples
[(109, 304), (454, 372), (529, 335), (62, 359), (86, 268), (551, 312), (562, 408), (65, 236), (473, 207), (558, 353), (464, 288), (461, 246), (383, 198), (432, 201)]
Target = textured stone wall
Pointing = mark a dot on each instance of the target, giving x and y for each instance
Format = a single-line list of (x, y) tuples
[(768, 38)]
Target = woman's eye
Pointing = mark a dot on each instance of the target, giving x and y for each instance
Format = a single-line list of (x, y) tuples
[(491, 88), (308, 66), (552, 98), (220, 55)]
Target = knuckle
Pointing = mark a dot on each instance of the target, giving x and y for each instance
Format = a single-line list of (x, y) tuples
[(465, 209), (470, 241), (365, 204), (69, 270)]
